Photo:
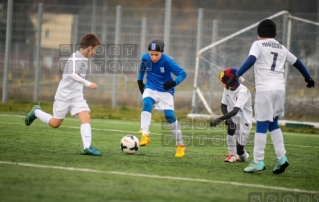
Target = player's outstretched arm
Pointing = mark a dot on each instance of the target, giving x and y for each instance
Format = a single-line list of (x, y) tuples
[(223, 107), (79, 79), (244, 67), (303, 70), (310, 82), (93, 86), (225, 117)]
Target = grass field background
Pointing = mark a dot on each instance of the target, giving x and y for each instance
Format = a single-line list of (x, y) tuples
[(38, 163)]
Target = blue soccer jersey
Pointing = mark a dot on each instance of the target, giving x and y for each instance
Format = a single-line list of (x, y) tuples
[(160, 72)]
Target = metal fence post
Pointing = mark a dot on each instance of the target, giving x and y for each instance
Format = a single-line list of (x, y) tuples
[(167, 25), (213, 55), (117, 41), (317, 49), (288, 47), (198, 45), (199, 29), (37, 54), (75, 31), (104, 25), (142, 49), (284, 29), (93, 16), (7, 53)]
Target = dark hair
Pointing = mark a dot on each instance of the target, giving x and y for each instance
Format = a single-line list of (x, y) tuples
[(88, 40)]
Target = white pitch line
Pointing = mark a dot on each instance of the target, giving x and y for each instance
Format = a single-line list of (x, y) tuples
[(293, 145), (93, 120), (135, 132), (158, 124), (154, 124), (162, 177)]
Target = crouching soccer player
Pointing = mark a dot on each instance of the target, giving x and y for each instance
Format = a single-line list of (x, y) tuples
[(159, 91), (237, 112), (69, 95)]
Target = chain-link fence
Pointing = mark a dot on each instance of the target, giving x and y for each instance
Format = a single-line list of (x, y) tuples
[(301, 38), (65, 25)]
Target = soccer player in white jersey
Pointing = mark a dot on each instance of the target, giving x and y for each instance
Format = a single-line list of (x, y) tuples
[(69, 95), (237, 112), (268, 57), (159, 91)]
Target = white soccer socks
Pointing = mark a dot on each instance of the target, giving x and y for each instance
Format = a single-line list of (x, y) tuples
[(43, 116), (177, 133), (278, 142), (86, 134), (146, 118), (259, 148), (231, 144)]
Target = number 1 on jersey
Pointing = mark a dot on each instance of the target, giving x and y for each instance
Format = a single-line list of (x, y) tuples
[(274, 61)]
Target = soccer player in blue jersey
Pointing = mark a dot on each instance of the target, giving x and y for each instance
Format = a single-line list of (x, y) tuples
[(159, 91), (268, 57)]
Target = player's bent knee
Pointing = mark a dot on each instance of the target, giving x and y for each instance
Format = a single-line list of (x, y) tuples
[(169, 116), (84, 117), (232, 126), (54, 124), (148, 103), (231, 129), (273, 125), (262, 126)]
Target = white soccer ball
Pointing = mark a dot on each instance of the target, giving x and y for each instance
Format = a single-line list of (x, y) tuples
[(129, 144)]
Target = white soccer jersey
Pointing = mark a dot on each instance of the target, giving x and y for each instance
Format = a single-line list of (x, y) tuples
[(240, 98), (70, 89), (269, 66)]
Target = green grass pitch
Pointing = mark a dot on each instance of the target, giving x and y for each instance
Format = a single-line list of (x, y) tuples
[(38, 163)]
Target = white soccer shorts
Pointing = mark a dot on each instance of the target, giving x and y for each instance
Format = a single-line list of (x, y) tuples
[(61, 108), (269, 104), (163, 100), (242, 133)]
